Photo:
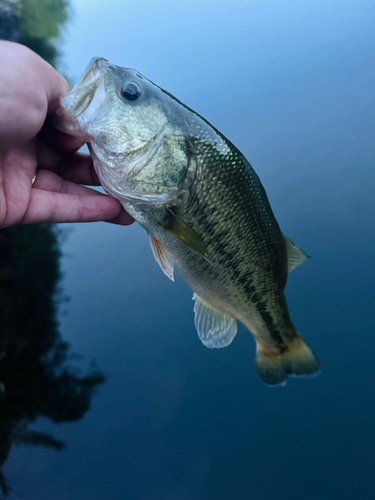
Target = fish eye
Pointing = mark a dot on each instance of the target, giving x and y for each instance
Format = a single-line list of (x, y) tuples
[(131, 91)]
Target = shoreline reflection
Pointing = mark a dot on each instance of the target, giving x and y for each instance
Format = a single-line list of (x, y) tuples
[(36, 374)]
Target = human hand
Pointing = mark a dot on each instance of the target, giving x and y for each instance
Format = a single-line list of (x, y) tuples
[(30, 90)]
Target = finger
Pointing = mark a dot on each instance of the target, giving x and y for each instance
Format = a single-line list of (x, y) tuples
[(60, 140), (123, 219), (49, 181), (55, 85), (48, 206), (75, 167)]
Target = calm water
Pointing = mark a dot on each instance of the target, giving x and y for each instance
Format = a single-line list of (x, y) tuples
[(292, 85)]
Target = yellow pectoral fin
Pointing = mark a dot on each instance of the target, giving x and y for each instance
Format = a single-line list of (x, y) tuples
[(186, 235)]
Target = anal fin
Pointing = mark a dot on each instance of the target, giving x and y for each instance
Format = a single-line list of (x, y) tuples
[(162, 257), (214, 328)]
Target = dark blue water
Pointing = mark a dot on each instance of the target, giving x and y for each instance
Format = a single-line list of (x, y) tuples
[(292, 85)]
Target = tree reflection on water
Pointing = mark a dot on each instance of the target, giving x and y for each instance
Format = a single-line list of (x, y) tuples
[(36, 377)]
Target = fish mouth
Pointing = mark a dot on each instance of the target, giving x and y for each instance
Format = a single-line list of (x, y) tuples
[(83, 93), (95, 68)]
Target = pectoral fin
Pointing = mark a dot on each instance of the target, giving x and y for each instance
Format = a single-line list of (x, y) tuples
[(186, 235), (215, 329), (296, 256), (162, 257)]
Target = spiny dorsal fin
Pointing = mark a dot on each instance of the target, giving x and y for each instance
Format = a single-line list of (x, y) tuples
[(296, 256), (162, 257), (186, 235), (214, 328)]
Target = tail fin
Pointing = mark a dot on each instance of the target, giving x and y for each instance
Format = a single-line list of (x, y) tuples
[(297, 360)]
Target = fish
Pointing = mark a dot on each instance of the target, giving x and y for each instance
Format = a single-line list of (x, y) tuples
[(203, 206)]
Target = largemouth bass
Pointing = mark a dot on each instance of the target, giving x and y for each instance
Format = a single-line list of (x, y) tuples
[(203, 206)]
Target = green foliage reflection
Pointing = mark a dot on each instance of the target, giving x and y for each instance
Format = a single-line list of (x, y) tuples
[(42, 18), (41, 24)]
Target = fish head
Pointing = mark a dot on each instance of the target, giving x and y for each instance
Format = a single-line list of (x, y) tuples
[(135, 132)]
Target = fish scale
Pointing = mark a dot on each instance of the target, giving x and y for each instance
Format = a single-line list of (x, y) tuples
[(237, 244)]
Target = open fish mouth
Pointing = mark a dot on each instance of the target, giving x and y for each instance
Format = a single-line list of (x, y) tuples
[(95, 68), (85, 90)]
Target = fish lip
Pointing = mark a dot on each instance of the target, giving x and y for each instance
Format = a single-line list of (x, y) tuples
[(95, 68), (76, 102)]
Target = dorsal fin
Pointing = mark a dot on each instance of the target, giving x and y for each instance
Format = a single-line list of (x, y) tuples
[(214, 328), (162, 257), (296, 256)]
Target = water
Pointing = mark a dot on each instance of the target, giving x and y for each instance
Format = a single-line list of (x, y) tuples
[(292, 85)]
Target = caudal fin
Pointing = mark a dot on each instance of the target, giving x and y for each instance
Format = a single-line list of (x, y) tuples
[(297, 360)]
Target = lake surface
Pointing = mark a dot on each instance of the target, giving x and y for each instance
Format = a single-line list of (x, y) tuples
[(291, 84)]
